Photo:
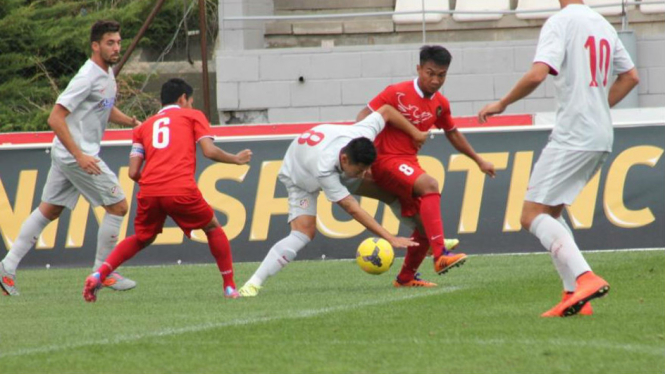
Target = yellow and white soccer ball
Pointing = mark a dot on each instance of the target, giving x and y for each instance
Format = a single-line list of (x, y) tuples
[(375, 255)]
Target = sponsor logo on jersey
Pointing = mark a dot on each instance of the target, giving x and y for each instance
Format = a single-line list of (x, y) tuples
[(106, 103)]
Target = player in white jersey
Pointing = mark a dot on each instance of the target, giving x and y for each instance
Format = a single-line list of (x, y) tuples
[(332, 159), (78, 119), (583, 51)]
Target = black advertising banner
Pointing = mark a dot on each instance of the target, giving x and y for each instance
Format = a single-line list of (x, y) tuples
[(623, 206)]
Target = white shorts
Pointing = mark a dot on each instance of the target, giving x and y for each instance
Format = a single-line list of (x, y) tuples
[(560, 175), (303, 203), (66, 182)]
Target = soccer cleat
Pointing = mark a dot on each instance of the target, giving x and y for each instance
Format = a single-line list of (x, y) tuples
[(91, 286), (7, 282), (557, 310), (589, 287), (586, 310), (450, 245), (117, 282), (415, 282), (447, 262), (249, 290), (231, 293)]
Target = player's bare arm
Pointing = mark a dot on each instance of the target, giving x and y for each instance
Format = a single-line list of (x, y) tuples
[(135, 164), (351, 206), (622, 86), (56, 121), (120, 118), (211, 151), (527, 84), (458, 140), (394, 118)]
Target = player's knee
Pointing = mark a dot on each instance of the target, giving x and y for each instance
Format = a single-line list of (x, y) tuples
[(51, 212), (526, 218), (427, 185), (118, 209)]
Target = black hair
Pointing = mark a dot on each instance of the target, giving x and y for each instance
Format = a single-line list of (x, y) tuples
[(435, 53), (100, 28), (173, 89), (360, 151)]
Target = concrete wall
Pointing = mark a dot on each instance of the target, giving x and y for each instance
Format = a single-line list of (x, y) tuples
[(338, 82)]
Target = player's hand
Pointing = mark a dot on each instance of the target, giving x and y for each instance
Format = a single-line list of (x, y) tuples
[(135, 122), (490, 110), (421, 138), (89, 164), (400, 242), (243, 157), (487, 168)]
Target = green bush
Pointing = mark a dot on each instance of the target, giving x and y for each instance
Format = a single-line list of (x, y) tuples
[(43, 43)]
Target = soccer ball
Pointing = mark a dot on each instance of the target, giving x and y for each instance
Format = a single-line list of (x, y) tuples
[(375, 255)]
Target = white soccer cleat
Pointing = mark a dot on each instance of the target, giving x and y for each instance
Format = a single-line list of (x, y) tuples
[(117, 282)]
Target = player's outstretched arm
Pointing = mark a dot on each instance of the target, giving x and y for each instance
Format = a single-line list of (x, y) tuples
[(527, 84), (622, 86), (458, 140), (351, 206), (393, 117), (211, 151), (120, 118)]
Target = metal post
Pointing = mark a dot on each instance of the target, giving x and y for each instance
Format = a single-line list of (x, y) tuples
[(118, 67), (204, 57), (424, 33)]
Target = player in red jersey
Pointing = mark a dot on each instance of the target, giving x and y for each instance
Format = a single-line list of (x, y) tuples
[(397, 170), (167, 143)]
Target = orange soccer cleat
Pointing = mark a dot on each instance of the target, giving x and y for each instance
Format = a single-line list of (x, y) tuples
[(446, 262), (415, 282), (557, 310), (589, 287)]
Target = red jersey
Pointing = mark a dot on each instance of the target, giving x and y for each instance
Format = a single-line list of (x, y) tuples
[(424, 113), (167, 141)]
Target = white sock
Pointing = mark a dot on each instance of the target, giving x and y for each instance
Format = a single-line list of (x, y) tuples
[(564, 272), (565, 225), (27, 237), (554, 237), (107, 237), (283, 252)]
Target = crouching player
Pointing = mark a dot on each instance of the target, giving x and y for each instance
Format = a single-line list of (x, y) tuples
[(167, 143)]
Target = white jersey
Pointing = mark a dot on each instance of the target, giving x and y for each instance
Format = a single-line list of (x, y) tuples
[(583, 51), (312, 160), (89, 97)]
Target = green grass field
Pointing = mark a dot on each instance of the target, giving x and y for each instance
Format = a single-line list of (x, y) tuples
[(330, 317)]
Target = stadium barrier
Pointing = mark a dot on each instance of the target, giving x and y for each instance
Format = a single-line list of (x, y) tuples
[(621, 207)]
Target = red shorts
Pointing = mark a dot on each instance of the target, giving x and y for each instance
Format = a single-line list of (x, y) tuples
[(398, 175), (190, 212)]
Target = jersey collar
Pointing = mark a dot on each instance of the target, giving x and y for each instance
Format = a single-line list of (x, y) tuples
[(418, 90), (168, 107)]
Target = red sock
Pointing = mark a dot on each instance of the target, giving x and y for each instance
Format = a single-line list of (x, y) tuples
[(430, 213), (414, 257), (125, 250), (221, 251)]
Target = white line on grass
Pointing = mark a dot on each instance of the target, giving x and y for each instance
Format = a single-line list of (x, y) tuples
[(296, 314)]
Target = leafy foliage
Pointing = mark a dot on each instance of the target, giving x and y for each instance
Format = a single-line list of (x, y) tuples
[(43, 43)]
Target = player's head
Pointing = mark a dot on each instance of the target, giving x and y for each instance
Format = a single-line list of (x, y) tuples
[(177, 92), (357, 156), (433, 67), (105, 41)]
